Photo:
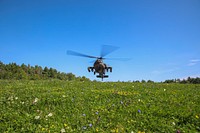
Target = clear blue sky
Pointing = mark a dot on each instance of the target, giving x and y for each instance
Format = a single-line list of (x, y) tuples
[(161, 36)]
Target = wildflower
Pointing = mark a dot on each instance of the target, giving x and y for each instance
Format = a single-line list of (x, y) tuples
[(37, 117), (139, 111), (97, 113), (62, 130), (90, 125), (63, 96), (113, 130), (84, 127), (140, 132), (139, 100), (65, 125), (35, 101), (84, 114), (49, 115), (72, 99), (10, 98), (52, 126), (197, 116), (178, 131), (164, 89), (121, 102)]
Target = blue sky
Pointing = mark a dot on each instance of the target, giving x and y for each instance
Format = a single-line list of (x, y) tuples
[(161, 37)]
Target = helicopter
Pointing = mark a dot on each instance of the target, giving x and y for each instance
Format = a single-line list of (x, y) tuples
[(99, 67)]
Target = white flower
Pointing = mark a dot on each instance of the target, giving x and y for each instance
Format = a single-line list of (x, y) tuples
[(72, 99), (84, 127), (164, 89), (37, 117), (10, 98), (35, 101), (139, 100), (50, 114), (62, 130)]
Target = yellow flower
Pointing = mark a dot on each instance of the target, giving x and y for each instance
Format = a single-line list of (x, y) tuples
[(112, 130), (197, 116), (52, 126), (140, 132), (117, 130), (65, 125)]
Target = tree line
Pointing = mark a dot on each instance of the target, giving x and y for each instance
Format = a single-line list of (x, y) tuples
[(14, 71), (189, 80)]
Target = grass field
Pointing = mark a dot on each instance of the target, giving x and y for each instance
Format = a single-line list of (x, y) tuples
[(63, 106)]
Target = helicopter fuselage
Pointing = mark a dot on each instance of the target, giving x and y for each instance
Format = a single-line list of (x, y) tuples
[(100, 68)]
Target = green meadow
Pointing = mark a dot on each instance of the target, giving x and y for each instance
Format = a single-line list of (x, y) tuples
[(54, 106)]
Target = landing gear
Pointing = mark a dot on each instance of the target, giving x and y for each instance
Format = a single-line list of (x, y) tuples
[(109, 68), (90, 69), (102, 76)]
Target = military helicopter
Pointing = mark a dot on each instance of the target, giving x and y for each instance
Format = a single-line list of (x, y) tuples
[(99, 67)]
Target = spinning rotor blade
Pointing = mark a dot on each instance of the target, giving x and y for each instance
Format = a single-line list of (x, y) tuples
[(69, 52), (107, 49), (92, 61), (119, 59)]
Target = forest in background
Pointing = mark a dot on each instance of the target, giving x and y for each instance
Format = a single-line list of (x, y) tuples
[(18, 72)]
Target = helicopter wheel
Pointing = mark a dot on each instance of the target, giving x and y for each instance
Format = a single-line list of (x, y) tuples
[(109, 68)]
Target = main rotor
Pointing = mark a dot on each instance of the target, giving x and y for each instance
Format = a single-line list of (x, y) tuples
[(105, 50)]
